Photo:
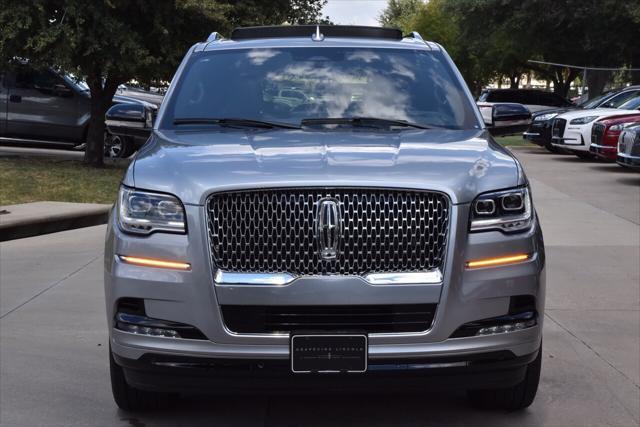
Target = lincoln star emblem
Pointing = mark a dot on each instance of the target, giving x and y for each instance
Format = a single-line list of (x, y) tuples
[(328, 228)]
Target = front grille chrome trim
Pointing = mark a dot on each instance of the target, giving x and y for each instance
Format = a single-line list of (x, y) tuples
[(230, 278), (412, 278), (280, 279)]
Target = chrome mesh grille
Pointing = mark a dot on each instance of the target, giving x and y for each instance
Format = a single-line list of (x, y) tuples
[(274, 231), (597, 132), (557, 131)]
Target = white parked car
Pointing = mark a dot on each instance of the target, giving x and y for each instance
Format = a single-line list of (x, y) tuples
[(572, 130)]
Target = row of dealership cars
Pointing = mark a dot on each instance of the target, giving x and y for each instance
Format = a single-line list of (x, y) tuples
[(606, 127)]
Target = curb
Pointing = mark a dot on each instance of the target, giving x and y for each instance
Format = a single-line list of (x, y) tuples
[(30, 227)]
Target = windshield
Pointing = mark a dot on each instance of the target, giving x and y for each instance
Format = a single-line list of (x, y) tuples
[(632, 104), (74, 81), (290, 85), (593, 103)]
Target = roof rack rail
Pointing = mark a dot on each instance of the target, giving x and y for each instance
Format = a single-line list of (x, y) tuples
[(214, 37), (245, 33), (415, 35)]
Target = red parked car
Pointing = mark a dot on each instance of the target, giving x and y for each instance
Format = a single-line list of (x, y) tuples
[(605, 133)]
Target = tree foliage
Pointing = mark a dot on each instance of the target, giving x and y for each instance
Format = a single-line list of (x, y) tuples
[(434, 22), (496, 38), (108, 42), (399, 14)]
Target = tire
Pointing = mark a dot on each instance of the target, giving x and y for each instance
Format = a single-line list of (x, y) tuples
[(117, 147), (551, 148), (513, 398), (128, 398)]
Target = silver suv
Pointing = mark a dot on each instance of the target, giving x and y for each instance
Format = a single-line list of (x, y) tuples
[(368, 233)]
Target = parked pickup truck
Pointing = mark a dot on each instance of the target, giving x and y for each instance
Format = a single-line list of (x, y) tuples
[(47, 107)]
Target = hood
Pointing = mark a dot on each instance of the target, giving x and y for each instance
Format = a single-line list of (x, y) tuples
[(120, 99), (622, 118), (193, 164), (601, 112), (553, 110), (149, 97)]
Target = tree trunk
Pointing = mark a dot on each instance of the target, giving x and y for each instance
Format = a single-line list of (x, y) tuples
[(101, 100), (562, 84), (635, 75), (596, 80), (514, 80)]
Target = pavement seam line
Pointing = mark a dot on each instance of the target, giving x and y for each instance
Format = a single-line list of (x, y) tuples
[(546, 314), (68, 276)]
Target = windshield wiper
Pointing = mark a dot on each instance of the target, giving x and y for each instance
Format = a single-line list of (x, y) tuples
[(233, 122), (361, 121)]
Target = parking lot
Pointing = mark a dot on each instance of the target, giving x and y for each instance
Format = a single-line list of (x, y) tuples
[(54, 343)]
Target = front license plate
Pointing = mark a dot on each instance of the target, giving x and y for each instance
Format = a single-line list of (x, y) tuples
[(329, 353)]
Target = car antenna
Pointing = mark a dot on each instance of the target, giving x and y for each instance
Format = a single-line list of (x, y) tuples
[(317, 36)]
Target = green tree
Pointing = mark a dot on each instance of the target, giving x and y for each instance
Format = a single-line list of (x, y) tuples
[(491, 39), (108, 42), (435, 22), (399, 14), (580, 32)]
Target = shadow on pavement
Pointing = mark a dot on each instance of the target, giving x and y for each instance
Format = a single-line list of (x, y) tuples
[(632, 181), (575, 159), (614, 168), (371, 410)]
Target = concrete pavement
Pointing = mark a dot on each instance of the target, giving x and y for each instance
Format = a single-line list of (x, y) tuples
[(34, 219), (53, 338)]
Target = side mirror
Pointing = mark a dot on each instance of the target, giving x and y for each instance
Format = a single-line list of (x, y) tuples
[(508, 119), (133, 120)]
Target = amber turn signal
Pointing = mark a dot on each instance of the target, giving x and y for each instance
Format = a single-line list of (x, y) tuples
[(158, 263), (495, 262)]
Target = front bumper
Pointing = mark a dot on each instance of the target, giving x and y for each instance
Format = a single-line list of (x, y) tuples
[(628, 161), (539, 133), (604, 151), (221, 376), (193, 297), (573, 139)]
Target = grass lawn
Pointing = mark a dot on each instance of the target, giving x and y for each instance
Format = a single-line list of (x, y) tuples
[(26, 180), (513, 141)]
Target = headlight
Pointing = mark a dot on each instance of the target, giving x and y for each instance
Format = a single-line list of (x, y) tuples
[(544, 117), (618, 128), (583, 120), (143, 212), (507, 211)]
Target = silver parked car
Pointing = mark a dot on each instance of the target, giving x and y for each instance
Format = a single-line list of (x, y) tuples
[(373, 234), (629, 147)]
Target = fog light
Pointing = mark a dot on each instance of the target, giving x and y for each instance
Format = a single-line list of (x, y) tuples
[(131, 317), (498, 325), (145, 330), (144, 325), (509, 327)]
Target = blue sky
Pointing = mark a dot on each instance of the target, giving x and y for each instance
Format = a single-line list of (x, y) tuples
[(354, 12)]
